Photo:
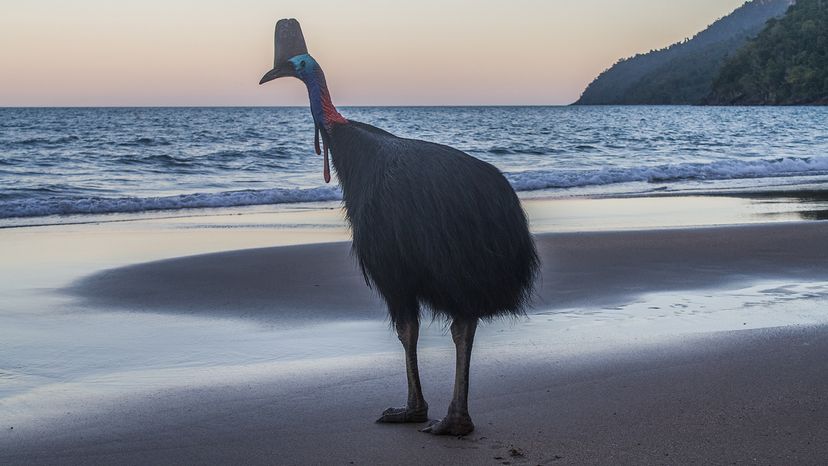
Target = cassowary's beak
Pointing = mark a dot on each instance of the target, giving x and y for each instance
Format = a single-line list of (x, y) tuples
[(280, 72)]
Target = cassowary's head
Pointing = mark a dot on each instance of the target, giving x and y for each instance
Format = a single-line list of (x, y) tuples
[(292, 57), (302, 66)]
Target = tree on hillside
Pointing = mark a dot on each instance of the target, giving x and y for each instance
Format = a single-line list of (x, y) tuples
[(786, 64)]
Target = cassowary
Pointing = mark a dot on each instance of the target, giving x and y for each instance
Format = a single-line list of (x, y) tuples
[(432, 228)]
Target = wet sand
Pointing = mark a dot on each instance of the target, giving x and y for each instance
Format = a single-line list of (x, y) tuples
[(755, 397), (569, 396), (591, 269)]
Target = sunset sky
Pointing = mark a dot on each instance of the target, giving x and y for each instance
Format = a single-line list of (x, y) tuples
[(425, 52)]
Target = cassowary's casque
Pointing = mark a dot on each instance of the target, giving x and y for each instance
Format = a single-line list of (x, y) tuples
[(432, 227)]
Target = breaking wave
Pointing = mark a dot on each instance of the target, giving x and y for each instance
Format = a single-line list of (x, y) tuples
[(522, 181), (103, 205), (670, 173)]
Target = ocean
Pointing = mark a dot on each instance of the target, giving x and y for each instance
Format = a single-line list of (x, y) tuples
[(59, 162)]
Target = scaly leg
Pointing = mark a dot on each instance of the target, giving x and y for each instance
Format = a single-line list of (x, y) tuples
[(458, 421), (417, 409)]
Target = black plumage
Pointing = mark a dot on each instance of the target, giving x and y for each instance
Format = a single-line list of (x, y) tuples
[(433, 225)]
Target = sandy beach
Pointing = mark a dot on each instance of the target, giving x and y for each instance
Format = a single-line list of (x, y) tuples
[(746, 397), (227, 339)]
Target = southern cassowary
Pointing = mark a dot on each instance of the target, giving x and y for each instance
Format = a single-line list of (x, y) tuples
[(432, 228)]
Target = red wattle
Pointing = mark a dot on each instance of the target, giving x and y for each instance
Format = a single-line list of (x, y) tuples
[(316, 141), (327, 172)]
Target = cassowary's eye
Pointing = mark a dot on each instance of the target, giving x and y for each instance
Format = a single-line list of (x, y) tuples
[(302, 64)]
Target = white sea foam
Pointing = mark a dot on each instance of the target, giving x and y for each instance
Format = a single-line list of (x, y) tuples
[(522, 181), (718, 170), (98, 205)]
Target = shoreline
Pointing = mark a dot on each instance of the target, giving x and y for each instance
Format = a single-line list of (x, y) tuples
[(806, 202)]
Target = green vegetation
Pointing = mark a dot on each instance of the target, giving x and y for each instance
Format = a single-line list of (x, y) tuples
[(682, 73), (787, 64)]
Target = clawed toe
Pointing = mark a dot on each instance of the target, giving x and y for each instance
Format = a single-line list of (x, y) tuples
[(430, 427), (403, 415), (453, 425)]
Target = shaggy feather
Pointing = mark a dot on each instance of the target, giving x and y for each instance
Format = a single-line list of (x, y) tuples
[(433, 226)]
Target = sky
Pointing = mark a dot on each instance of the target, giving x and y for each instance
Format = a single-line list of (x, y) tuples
[(424, 52)]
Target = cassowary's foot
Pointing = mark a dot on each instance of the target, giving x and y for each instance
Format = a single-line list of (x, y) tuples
[(404, 414), (452, 424)]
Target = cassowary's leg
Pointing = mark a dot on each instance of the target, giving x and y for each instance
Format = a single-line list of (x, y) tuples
[(417, 409), (458, 421)]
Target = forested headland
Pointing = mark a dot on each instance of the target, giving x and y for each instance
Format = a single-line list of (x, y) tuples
[(684, 72), (787, 64)]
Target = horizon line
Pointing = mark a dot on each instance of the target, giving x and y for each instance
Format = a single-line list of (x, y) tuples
[(285, 106)]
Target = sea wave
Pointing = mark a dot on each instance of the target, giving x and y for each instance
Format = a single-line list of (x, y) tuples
[(101, 205), (145, 142), (670, 173), (35, 141), (521, 181)]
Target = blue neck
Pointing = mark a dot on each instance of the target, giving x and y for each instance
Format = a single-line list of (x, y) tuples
[(323, 111), (315, 84)]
